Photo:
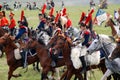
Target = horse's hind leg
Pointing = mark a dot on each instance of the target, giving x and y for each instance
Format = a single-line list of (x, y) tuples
[(37, 66)]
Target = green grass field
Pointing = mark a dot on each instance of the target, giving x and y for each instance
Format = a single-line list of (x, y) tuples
[(32, 16)]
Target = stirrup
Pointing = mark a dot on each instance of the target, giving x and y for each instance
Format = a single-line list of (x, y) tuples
[(83, 70), (53, 64)]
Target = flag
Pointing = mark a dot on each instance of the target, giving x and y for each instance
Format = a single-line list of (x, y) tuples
[(100, 17), (116, 14)]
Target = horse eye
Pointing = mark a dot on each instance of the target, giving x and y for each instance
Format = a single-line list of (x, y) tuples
[(95, 42)]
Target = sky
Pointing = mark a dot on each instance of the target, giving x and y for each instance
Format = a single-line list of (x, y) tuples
[(58, 2)]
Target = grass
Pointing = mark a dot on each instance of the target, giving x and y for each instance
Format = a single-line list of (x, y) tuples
[(32, 16)]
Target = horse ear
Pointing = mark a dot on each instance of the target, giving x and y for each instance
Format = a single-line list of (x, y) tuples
[(98, 36)]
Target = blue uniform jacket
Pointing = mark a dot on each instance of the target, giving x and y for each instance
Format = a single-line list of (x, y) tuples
[(86, 39), (21, 32), (41, 25)]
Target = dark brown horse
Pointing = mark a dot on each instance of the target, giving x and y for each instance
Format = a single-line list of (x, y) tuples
[(64, 43), (13, 64), (45, 57)]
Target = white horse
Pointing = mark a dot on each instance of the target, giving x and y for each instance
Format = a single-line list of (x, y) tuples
[(105, 43), (73, 32), (44, 36)]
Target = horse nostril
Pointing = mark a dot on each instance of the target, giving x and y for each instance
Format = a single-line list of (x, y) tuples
[(88, 51)]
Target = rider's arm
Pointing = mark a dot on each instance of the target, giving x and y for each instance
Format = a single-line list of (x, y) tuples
[(41, 25), (21, 32)]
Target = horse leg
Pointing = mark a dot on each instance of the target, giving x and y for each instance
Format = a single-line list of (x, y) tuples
[(103, 69), (1, 53), (10, 72), (58, 73), (44, 73), (79, 76), (115, 76), (33, 66), (37, 66), (69, 75), (107, 74), (64, 75)]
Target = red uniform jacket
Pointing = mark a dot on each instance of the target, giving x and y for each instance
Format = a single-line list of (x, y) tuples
[(69, 23), (5, 21), (12, 23)]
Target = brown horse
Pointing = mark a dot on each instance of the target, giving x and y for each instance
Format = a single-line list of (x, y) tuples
[(13, 64), (111, 23), (44, 56), (64, 43)]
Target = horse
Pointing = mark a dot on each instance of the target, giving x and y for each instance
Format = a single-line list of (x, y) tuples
[(2, 32), (115, 28), (105, 43), (44, 56), (73, 32), (14, 61), (62, 42)]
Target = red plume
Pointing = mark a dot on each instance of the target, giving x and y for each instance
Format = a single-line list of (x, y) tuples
[(82, 16), (64, 12), (51, 11), (57, 17), (43, 8), (88, 19), (91, 12), (22, 14)]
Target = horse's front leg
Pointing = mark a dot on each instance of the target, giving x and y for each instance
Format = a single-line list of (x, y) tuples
[(78, 76), (107, 74), (64, 75), (69, 75), (44, 73), (10, 72)]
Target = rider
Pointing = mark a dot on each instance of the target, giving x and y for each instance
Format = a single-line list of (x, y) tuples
[(41, 26), (5, 20), (85, 34), (69, 23), (12, 23)]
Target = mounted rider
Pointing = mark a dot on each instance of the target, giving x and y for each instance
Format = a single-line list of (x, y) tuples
[(4, 21), (23, 35), (42, 19), (85, 34), (23, 30), (12, 23)]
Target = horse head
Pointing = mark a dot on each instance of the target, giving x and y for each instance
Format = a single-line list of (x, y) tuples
[(109, 22), (100, 42), (61, 42), (52, 41), (95, 45)]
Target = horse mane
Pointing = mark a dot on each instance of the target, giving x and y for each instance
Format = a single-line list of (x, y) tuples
[(10, 43), (112, 21), (106, 38), (2, 32), (40, 41)]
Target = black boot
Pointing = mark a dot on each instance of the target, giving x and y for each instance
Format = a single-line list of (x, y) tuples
[(53, 63), (23, 54), (83, 64)]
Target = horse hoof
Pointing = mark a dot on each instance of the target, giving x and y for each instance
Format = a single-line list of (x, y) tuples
[(19, 75)]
